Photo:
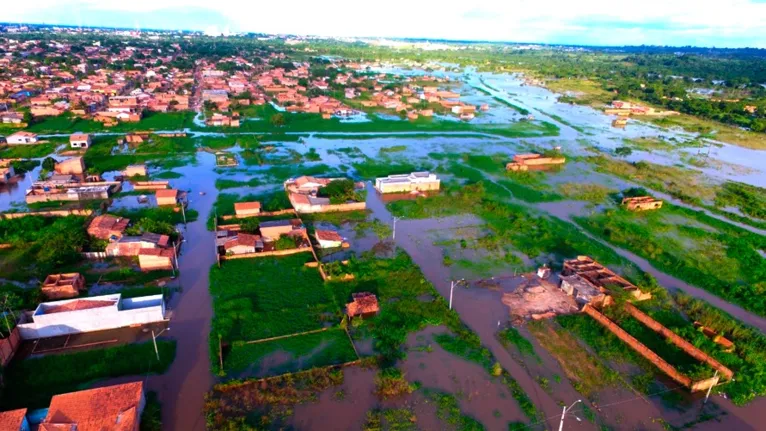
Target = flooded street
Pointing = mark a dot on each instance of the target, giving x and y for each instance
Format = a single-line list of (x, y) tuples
[(183, 387)]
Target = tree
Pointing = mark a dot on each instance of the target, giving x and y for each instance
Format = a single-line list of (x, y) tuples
[(339, 191), (278, 120), (49, 164), (285, 242), (249, 225)]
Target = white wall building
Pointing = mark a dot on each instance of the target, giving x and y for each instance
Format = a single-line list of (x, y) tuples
[(95, 313), (404, 183)]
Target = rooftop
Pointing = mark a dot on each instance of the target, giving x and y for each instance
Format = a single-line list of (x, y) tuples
[(77, 305), (12, 419), (113, 408)]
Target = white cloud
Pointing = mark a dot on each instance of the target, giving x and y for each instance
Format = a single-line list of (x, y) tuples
[(671, 22)]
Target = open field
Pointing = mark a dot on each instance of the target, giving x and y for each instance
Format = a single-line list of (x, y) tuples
[(714, 130)]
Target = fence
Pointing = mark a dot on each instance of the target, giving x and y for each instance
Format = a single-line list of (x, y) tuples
[(94, 255), (50, 213), (648, 354), (356, 206)]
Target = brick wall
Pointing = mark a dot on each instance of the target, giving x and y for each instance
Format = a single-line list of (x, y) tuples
[(679, 342), (267, 253)]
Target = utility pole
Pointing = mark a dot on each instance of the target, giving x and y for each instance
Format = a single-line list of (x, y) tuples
[(395, 220), (564, 413), (154, 340), (183, 209), (715, 376), (451, 288)]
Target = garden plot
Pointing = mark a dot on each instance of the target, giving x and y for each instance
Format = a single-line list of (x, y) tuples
[(266, 297)]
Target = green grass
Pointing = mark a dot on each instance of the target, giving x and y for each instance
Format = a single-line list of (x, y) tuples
[(448, 410), (167, 175), (676, 240), (151, 418), (268, 297), (299, 122), (369, 169), (511, 335), (224, 204), (35, 151), (305, 351), (751, 200), (36, 380)]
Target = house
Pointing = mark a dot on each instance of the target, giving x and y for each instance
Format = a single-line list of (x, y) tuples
[(272, 230), (21, 138), (14, 420), (111, 408), (79, 140), (328, 239), (306, 184), (92, 313), (247, 209), (71, 166), (167, 197), (135, 170), (364, 305), (152, 259), (107, 227), (243, 243), (61, 286), (132, 245), (304, 203), (11, 118), (405, 183), (641, 203)]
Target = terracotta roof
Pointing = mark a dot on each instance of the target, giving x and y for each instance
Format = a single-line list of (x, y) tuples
[(12, 419), (104, 225), (328, 235), (245, 239), (163, 252), (78, 304), (168, 193), (113, 408), (363, 303), (247, 206), (299, 199)]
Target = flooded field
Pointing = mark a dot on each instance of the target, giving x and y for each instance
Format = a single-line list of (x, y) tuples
[(461, 245)]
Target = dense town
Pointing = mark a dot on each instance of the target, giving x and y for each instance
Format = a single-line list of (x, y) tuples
[(276, 232)]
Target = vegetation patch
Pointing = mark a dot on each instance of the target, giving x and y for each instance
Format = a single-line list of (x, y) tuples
[(36, 380)]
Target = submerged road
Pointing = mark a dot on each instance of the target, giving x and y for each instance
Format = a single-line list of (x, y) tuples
[(182, 388)]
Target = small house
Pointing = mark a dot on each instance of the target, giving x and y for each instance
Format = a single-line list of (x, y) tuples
[(21, 138), (243, 243), (364, 305), (108, 227), (247, 209), (167, 197), (79, 140), (272, 230), (135, 170), (328, 239)]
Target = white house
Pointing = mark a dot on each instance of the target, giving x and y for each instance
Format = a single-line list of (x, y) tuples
[(21, 138), (95, 313), (328, 239), (416, 181), (79, 140)]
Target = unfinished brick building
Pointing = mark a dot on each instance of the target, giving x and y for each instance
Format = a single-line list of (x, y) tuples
[(592, 273), (641, 203), (63, 286), (523, 162)]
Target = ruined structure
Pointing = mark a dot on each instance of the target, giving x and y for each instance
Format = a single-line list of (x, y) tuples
[(641, 203), (523, 162), (63, 286), (603, 279)]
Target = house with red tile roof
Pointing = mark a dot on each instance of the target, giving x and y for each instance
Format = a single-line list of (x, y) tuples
[(112, 408), (167, 197), (247, 209), (328, 238), (14, 420), (108, 227), (364, 305)]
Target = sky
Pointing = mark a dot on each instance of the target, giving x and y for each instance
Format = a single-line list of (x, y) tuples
[(721, 23)]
